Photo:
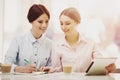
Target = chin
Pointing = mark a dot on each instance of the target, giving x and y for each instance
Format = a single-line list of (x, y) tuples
[(66, 33), (43, 31)]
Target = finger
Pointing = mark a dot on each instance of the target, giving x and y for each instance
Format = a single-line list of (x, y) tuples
[(51, 70), (46, 69), (112, 64), (28, 70), (110, 69), (41, 69), (33, 65), (32, 69)]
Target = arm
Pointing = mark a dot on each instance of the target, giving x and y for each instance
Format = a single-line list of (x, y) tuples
[(12, 57), (25, 69), (49, 61), (12, 53), (47, 68), (56, 59)]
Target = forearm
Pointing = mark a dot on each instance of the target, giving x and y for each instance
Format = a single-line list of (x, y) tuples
[(19, 69), (25, 69)]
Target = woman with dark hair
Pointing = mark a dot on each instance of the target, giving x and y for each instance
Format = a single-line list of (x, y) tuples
[(32, 51)]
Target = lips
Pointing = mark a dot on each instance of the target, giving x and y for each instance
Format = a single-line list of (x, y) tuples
[(65, 30), (42, 28)]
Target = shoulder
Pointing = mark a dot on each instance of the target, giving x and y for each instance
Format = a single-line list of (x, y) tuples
[(47, 39), (88, 42), (21, 37), (48, 42), (86, 39), (59, 39)]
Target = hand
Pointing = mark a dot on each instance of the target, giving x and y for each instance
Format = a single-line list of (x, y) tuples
[(26, 69), (110, 68), (47, 69)]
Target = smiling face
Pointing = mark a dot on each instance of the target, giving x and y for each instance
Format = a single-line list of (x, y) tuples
[(40, 25), (68, 25)]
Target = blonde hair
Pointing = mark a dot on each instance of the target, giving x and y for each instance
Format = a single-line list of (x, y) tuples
[(72, 13)]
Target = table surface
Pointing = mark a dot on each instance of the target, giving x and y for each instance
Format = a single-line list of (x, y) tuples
[(59, 76)]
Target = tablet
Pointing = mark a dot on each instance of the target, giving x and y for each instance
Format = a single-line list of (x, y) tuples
[(97, 67)]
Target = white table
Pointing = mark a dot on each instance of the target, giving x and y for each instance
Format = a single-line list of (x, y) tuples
[(60, 76)]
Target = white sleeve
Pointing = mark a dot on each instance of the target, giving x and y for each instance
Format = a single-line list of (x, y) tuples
[(11, 54)]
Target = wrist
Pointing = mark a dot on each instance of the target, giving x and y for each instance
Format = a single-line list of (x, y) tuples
[(18, 69)]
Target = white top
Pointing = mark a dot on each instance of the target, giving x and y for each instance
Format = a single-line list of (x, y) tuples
[(27, 47), (80, 56)]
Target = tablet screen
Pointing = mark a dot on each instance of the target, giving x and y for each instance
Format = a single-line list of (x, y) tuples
[(97, 67)]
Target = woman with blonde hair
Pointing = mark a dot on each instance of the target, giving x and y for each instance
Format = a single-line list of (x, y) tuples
[(73, 46)]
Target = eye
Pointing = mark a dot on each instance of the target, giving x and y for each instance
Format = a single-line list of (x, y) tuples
[(40, 21), (67, 23), (47, 21), (61, 23)]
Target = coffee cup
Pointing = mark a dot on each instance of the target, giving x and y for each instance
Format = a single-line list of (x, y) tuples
[(5, 68), (67, 68)]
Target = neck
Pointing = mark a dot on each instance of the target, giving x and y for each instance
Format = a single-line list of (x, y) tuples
[(72, 38), (36, 35)]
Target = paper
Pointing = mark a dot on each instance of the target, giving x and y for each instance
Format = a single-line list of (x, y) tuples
[(38, 73), (33, 73)]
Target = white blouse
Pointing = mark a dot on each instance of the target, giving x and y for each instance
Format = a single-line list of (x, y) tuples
[(81, 56), (27, 47)]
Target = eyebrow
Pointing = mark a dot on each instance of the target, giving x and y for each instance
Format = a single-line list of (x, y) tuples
[(66, 21)]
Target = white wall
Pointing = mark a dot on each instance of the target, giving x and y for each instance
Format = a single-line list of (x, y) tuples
[(13, 15), (1, 27)]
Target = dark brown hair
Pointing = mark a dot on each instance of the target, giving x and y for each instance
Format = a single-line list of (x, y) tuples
[(35, 11), (72, 13)]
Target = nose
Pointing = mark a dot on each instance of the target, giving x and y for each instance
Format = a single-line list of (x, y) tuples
[(44, 24), (63, 27)]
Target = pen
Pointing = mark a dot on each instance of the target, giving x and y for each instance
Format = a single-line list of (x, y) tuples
[(26, 61)]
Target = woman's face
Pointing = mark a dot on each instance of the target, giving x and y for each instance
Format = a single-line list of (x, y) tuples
[(40, 25), (68, 25)]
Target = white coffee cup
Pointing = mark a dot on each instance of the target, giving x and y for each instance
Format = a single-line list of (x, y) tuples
[(67, 67)]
